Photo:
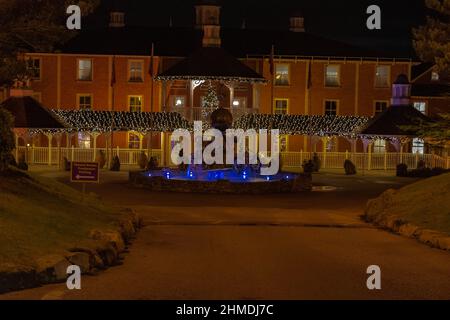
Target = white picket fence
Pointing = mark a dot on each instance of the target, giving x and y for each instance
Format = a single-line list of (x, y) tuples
[(365, 161), (54, 156), (329, 160)]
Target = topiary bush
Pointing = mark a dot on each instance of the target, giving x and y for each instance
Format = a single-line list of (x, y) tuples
[(421, 165), (317, 162), (152, 164), (349, 167), (7, 142), (115, 164), (143, 160), (101, 159), (402, 170), (308, 166)]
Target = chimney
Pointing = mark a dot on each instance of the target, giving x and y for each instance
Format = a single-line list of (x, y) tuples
[(401, 91), (117, 14), (297, 22)]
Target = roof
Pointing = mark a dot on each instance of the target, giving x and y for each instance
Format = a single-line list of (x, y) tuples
[(181, 42), (420, 69), (211, 63), (393, 120), (30, 114), (430, 90)]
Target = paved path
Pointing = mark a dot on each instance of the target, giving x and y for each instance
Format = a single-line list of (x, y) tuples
[(303, 246)]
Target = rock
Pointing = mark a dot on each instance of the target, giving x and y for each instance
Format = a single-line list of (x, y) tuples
[(113, 237), (80, 259), (408, 230), (127, 230), (94, 259), (14, 277), (429, 237), (107, 254), (52, 268), (444, 243)]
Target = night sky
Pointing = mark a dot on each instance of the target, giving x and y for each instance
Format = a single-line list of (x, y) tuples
[(343, 20)]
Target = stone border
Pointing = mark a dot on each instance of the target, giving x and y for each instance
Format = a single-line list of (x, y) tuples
[(376, 213), (109, 245), (302, 182)]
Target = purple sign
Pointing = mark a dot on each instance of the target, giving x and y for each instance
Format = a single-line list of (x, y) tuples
[(87, 172)]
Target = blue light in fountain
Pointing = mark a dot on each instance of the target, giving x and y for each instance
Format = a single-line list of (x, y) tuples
[(167, 174)]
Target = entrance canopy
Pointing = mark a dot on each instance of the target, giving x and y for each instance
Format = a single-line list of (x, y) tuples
[(211, 63)]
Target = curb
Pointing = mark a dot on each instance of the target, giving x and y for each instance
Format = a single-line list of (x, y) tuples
[(375, 213), (109, 245)]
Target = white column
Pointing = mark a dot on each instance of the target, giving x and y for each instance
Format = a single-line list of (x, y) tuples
[(49, 137)]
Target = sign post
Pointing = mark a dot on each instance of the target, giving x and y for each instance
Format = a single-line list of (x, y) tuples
[(85, 172)]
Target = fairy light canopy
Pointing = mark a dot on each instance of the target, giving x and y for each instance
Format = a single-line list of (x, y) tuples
[(213, 64)]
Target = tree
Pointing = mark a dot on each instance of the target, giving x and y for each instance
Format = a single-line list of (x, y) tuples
[(436, 132), (7, 143), (32, 26), (432, 41)]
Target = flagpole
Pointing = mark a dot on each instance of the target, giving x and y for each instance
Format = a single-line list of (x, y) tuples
[(111, 138), (151, 72), (272, 73)]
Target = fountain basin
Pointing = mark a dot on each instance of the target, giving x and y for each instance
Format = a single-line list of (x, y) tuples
[(220, 181)]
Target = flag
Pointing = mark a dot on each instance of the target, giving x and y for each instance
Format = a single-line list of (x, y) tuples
[(272, 63), (113, 75), (310, 75), (151, 70)]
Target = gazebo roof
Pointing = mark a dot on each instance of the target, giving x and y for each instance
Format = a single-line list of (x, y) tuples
[(30, 114), (211, 63), (393, 120)]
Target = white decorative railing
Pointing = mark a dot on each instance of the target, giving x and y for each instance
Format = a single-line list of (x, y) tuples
[(329, 160)]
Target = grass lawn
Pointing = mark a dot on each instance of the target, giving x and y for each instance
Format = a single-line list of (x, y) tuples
[(425, 203), (41, 216)]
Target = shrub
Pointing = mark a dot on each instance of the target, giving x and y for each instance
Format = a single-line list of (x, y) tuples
[(421, 165), (66, 164), (101, 159), (152, 164), (115, 164), (7, 142), (143, 160), (308, 166), (317, 162), (402, 170), (349, 167)]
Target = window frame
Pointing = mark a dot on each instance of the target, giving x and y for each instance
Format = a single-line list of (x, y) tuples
[(139, 136), (325, 106), (275, 105), (78, 69), (417, 143), (389, 77), (142, 62), (135, 96), (425, 104), (284, 136), (31, 58), (375, 113), (79, 95), (288, 75), (381, 148), (339, 78)]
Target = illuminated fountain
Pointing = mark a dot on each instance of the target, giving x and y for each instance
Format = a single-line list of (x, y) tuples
[(237, 178)]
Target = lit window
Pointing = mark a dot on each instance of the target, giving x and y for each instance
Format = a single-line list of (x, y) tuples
[(418, 146), (332, 76), (380, 107), (135, 103), (284, 143), (84, 140), (435, 76), (85, 70), (421, 106), (379, 146), (134, 141), (382, 76), (136, 71), (239, 102), (331, 107), (179, 101), (281, 106), (85, 102), (34, 68), (281, 75)]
